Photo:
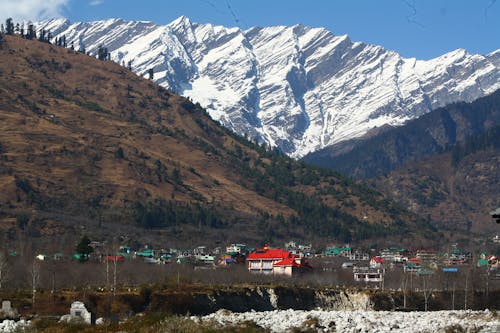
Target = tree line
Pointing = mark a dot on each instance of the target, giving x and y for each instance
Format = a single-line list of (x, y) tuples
[(29, 31)]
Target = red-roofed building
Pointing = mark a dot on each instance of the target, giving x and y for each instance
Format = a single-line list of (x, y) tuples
[(290, 266), (376, 262), (262, 260), (276, 261)]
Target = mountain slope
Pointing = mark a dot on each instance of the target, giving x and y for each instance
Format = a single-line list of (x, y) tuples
[(457, 188), (87, 144), (296, 88), (428, 135)]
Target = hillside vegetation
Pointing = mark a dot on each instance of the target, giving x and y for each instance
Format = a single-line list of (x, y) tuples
[(456, 188), (87, 146)]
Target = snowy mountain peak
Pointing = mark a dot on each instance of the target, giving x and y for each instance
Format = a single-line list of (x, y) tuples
[(296, 87)]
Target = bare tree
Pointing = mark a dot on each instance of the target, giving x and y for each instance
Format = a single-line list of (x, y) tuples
[(404, 286), (426, 289), (35, 278)]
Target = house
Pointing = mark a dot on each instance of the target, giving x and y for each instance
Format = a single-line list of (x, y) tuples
[(413, 265), (291, 266), (200, 250), (276, 261), (236, 248), (338, 251), (205, 260), (410, 267), (388, 255), (147, 253), (262, 260), (426, 255), (394, 255), (368, 274), (376, 262), (299, 249), (359, 256), (113, 258)]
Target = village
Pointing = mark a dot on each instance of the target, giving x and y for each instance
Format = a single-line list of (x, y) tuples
[(365, 265)]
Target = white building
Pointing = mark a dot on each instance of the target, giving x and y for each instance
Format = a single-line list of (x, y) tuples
[(368, 274)]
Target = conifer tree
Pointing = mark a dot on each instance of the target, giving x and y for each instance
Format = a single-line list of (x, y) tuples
[(150, 73), (30, 34), (102, 53), (41, 37), (83, 247), (9, 26)]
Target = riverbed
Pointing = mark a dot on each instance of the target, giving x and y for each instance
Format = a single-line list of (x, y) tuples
[(362, 321)]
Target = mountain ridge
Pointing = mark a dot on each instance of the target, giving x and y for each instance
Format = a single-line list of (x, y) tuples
[(418, 139), (296, 88)]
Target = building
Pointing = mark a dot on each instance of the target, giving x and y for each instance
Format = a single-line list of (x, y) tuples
[(299, 249), (262, 260), (339, 251), (376, 262), (368, 274), (236, 248), (426, 255), (291, 266), (359, 256)]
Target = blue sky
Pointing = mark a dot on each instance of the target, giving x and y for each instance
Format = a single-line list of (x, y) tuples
[(415, 28)]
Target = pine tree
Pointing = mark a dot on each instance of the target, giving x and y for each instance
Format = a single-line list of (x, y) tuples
[(102, 53), (9, 26), (83, 247), (150, 73), (31, 32), (41, 37)]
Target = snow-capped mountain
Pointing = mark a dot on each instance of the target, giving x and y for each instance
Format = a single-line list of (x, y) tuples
[(298, 88)]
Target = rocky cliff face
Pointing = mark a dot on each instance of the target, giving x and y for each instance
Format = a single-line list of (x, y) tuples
[(297, 88), (262, 299)]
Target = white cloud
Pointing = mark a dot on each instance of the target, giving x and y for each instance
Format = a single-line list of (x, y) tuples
[(96, 2), (24, 10)]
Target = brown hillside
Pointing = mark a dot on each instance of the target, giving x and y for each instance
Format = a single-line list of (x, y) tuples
[(457, 196), (88, 144)]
